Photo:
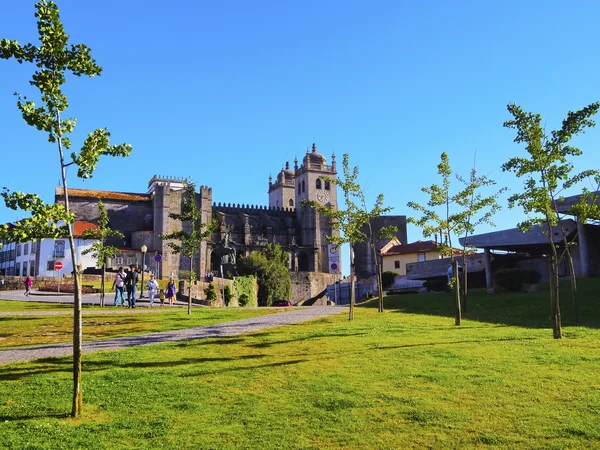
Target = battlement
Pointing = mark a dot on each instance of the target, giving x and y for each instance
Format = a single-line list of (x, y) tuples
[(252, 209), (167, 179)]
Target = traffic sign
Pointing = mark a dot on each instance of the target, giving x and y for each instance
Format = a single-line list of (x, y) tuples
[(58, 265), (158, 257)]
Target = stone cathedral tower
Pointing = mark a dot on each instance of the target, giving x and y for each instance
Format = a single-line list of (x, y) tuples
[(304, 183)]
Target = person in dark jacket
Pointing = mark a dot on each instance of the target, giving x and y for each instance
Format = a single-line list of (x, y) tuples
[(131, 281)]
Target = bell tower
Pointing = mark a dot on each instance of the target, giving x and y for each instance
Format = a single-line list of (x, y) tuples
[(314, 226)]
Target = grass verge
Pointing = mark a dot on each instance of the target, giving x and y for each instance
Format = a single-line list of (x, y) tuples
[(405, 378)]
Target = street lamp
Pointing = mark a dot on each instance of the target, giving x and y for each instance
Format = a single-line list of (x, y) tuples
[(144, 250)]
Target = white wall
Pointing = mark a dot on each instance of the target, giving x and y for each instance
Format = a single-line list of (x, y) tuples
[(47, 254)]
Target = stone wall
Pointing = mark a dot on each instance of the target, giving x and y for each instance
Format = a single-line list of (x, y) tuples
[(198, 295), (306, 285)]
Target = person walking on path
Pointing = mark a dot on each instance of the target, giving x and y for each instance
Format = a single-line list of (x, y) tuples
[(119, 285), (152, 289), (171, 291), (28, 284), (131, 281)]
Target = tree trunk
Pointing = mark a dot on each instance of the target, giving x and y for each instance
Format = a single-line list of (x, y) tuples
[(190, 286), (463, 285), (102, 286), (380, 285), (573, 285), (351, 313), (77, 296), (554, 298), (456, 277)]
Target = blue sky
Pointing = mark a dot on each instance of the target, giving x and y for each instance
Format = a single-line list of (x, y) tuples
[(239, 86)]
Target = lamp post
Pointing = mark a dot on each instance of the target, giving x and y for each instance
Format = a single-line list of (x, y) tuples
[(144, 250)]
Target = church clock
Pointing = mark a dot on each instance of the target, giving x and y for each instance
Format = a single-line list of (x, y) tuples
[(323, 196)]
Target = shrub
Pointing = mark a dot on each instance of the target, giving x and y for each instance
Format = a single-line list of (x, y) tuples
[(211, 293), (387, 279), (227, 295), (513, 280), (243, 300), (245, 285)]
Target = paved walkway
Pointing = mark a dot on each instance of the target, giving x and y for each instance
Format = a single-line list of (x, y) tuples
[(88, 299), (213, 331)]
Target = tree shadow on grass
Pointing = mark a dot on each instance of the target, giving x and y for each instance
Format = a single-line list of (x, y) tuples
[(4, 418), (212, 371), (528, 310)]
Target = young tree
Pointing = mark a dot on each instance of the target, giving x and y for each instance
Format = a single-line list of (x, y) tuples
[(270, 267), (351, 221), (99, 249), (188, 241), (547, 171), (456, 213), (54, 58)]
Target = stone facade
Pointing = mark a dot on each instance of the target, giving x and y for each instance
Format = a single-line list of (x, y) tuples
[(144, 217)]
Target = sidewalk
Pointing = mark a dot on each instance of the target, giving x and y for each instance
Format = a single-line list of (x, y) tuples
[(213, 331), (53, 297)]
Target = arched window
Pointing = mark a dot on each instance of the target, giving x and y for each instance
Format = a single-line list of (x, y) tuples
[(327, 185), (298, 188), (318, 183), (291, 202), (303, 186)]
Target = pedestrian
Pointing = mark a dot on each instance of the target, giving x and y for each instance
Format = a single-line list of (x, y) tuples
[(131, 281), (171, 291), (152, 289), (161, 296), (119, 286), (28, 284)]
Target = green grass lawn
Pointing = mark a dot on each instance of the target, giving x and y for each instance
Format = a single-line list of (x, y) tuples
[(30, 330), (405, 378), (17, 306)]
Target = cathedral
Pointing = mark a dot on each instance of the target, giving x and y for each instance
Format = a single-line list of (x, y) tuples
[(144, 217)]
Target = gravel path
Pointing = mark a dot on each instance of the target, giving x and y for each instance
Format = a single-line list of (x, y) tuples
[(213, 331)]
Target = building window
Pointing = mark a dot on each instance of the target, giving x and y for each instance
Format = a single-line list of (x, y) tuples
[(327, 185), (291, 202), (396, 264), (17, 269), (421, 257), (32, 268), (26, 249), (24, 268), (19, 249), (119, 260), (303, 186), (318, 183), (299, 188), (50, 266), (59, 249), (33, 248)]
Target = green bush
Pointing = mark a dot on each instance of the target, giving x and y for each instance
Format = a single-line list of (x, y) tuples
[(227, 295), (513, 280), (245, 286), (387, 279), (211, 293), (243, 300)]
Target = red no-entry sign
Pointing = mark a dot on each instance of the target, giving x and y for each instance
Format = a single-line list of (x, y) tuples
[(58, 265)]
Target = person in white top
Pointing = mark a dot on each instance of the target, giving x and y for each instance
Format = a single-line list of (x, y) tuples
[(152, 288), (119, 283)]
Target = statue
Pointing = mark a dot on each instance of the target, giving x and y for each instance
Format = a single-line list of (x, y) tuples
[(226, 252)]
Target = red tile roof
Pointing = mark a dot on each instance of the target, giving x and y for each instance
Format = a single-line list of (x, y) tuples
[(79, 227), (108, 195)]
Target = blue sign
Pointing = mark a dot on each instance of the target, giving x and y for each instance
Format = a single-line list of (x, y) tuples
[(334, 266), (158, 257)]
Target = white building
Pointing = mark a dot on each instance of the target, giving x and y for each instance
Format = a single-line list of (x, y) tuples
[(37, 258)]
